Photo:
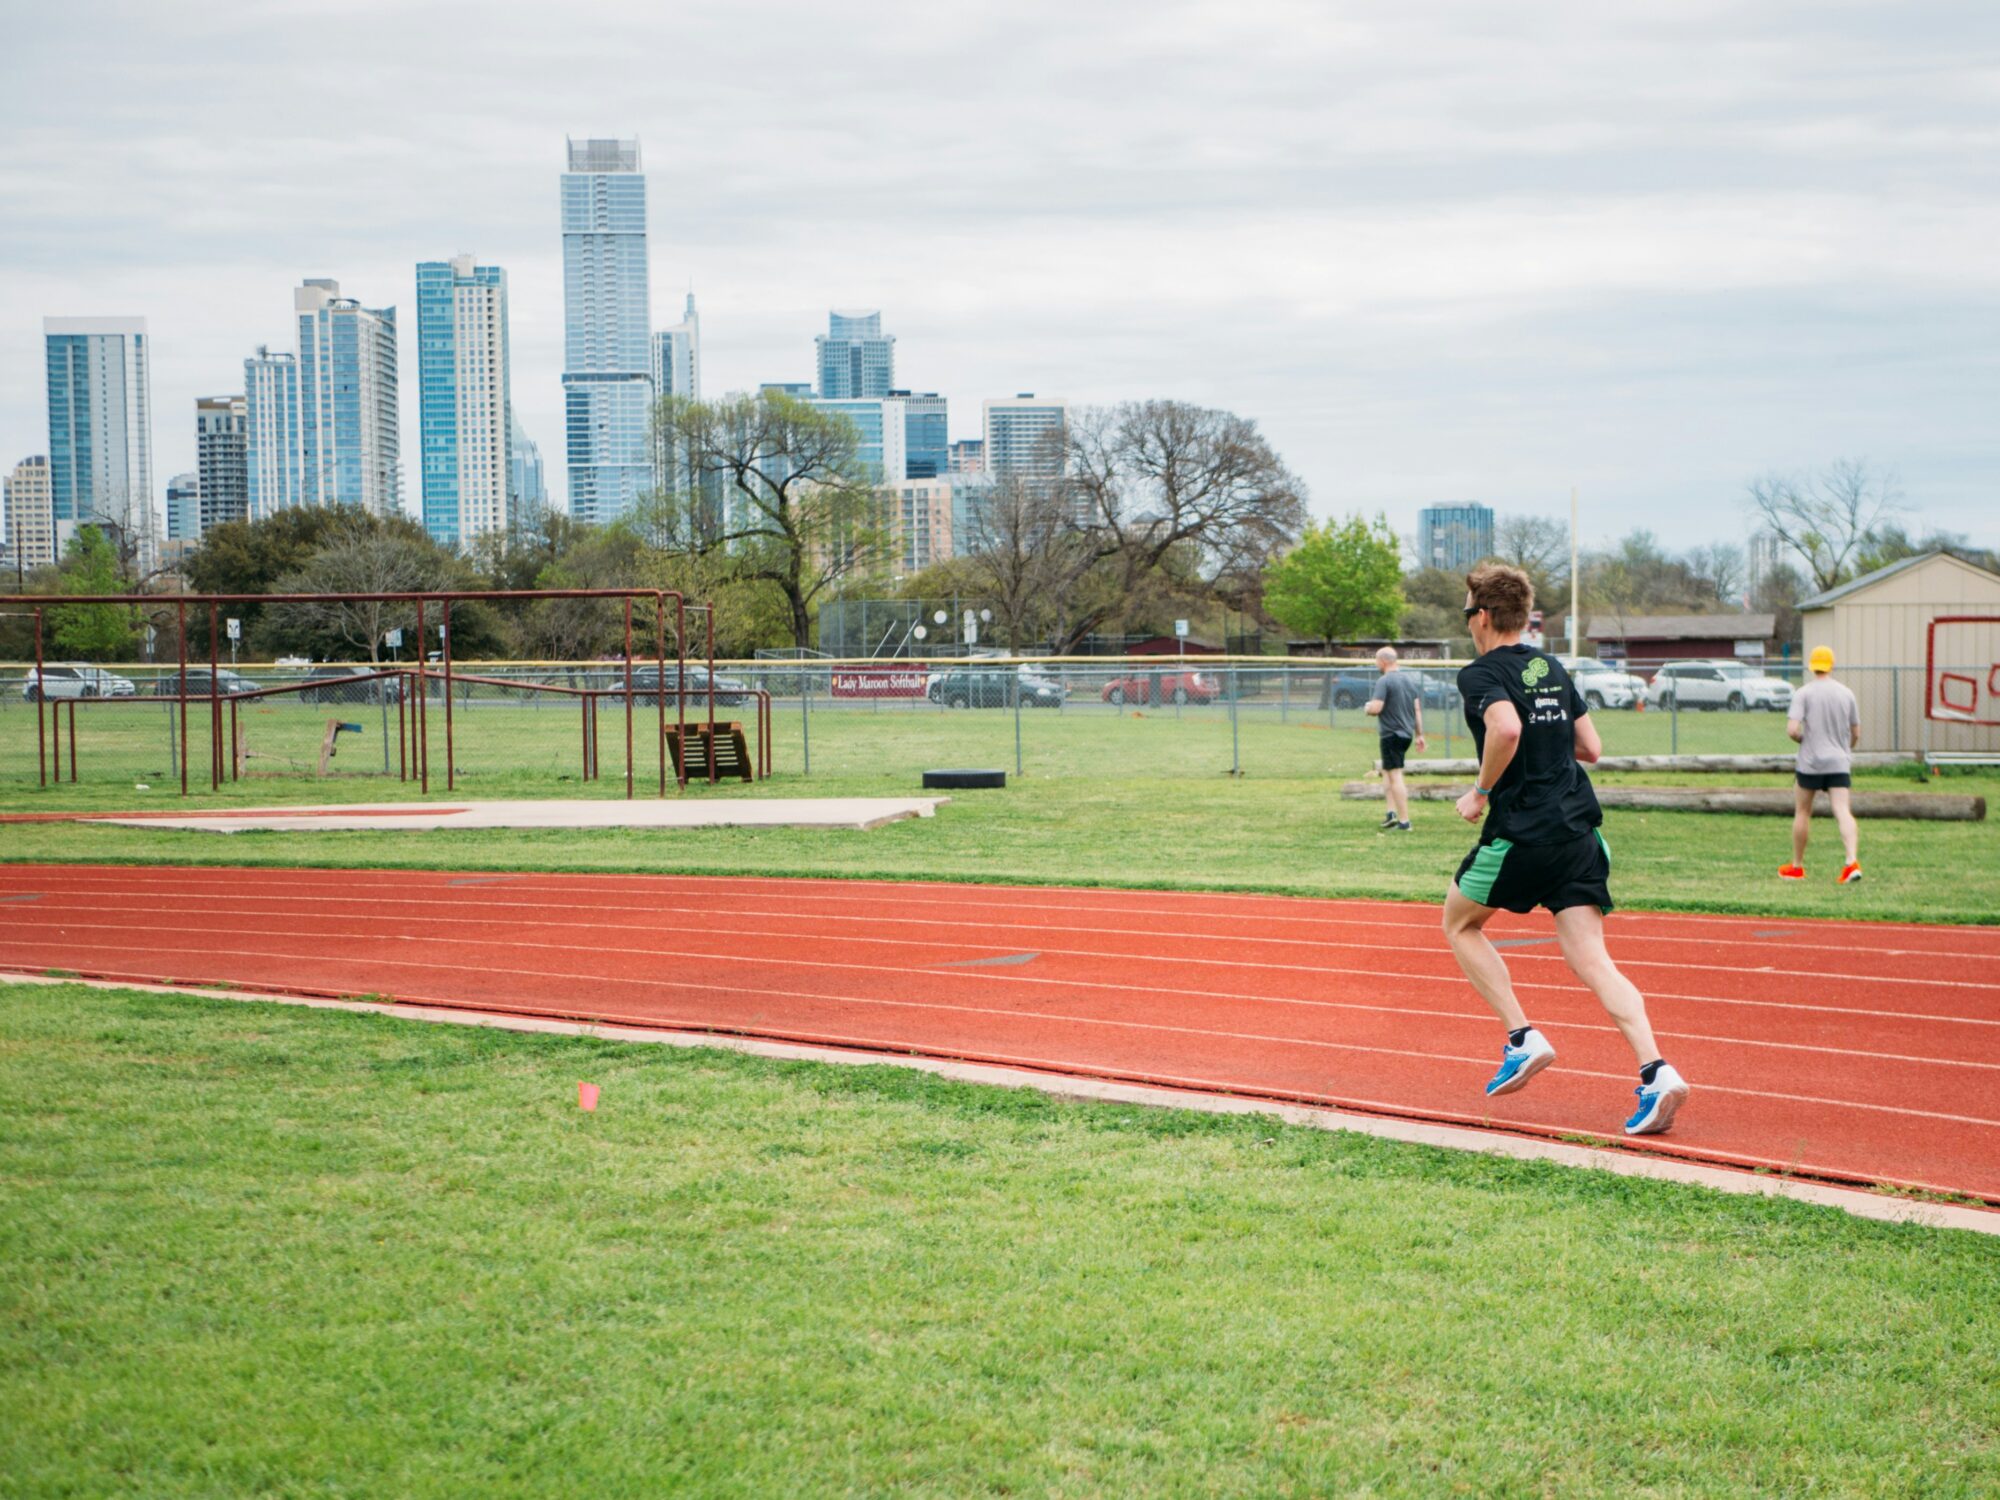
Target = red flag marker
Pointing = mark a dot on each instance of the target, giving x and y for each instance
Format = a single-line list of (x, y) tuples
[(586, 1096)]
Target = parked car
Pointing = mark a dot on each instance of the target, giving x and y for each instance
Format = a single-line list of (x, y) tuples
[(1604, 684), (995, 688), (1351, 687), (1162, 687), (1731, 685), (730, 692), (382, 690), (199, 684), (72, 680)]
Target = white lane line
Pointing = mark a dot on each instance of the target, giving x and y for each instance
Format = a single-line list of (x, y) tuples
[(1316, 971), (981, 1010), (811, 889), (959, 928)]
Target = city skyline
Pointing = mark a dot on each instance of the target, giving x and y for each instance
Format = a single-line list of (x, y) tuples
[(1652, 253)]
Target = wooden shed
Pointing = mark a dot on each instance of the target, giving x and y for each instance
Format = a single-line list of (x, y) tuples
[(1877, 626)]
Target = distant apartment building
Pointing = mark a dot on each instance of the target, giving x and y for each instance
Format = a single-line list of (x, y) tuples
[(920, 523), (464, 397), (349, 407), (1023, 435), (677, 357), (184, 508), (971, 514), (607, 329), (101, 432), (273, 451), (881, 435), (222, 459), (31, 524), (925, 438), (1456, 538), (856, 360), (967, 456)]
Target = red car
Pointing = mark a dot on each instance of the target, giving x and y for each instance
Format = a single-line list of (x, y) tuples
[(1162, 687)]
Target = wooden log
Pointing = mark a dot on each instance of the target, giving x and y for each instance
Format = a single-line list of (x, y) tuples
[(1868, 760), (1928, 807)]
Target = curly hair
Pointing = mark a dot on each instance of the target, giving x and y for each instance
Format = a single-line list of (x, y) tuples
[(1504, 593)]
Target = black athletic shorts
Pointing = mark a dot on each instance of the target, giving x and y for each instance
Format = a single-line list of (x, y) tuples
[(1394, 748), (1521, 877), (1820, 781)]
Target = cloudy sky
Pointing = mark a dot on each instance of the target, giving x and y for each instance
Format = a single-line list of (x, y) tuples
[(1438, 249)]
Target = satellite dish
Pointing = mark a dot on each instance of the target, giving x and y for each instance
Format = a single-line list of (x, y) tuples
[(939, 618), (920, 632)]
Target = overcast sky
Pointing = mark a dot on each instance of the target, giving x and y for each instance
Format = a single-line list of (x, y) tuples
[(1437, 250)]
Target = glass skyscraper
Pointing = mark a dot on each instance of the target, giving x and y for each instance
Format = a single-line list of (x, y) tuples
[(184, 508), (880, 436), (463, 398), (221, 437), (855, 359), (677, 357), (607, 329), (273, 452), (925, 435), (349, 421), (101, 432), (1456, 538), (527, 491)]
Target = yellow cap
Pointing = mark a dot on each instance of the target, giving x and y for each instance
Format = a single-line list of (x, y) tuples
[(1821, 659)]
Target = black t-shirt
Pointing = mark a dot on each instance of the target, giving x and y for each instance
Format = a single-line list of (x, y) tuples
[(1543, 797)]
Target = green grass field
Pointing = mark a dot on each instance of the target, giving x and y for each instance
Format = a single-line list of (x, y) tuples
[(249, 1249)]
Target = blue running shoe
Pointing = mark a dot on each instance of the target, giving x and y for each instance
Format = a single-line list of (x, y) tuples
[(1658, 1102), (1519, 1064)]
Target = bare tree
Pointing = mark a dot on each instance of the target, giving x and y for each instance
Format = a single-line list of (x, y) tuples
[(1537, 545), (1825, 517), (1025, 555), (1721, 570), (359, 561), (776, 485)]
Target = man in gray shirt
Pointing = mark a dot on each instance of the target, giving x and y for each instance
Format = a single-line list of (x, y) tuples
[(1397, 706), (1826, 722)]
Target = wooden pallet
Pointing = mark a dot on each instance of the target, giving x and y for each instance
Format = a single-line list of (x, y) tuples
[(728, 750)]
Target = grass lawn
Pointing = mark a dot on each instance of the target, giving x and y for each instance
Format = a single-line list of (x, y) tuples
[(256, 1250)]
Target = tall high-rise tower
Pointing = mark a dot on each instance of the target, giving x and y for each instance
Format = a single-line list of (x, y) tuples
[(273, 447), (31, 527), (221, 440), (464, 398), (677, 357), (348, 415), (856, 360), (101, 432), (607, 323)]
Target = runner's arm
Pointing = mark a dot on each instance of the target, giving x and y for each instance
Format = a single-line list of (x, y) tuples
[(1503, 738), (1588, 746)]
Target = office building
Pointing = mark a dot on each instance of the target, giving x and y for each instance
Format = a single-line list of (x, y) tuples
[(527, 490), (184, 508), (925, 437), (967, 456), (222, 463), (273, 452), (855, 360), (880, 436), (1023, 435), (607, 329), (972, 515), (677, 357), (349, 416), (463, 398), (101, 433), (31, 523), (1456, 538)]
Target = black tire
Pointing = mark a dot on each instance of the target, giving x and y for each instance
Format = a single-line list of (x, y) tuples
[(958, 700), (1667, 701), (1594, 698), (1116, 695), (1180, 695), (1736, 704), (1344, 699)]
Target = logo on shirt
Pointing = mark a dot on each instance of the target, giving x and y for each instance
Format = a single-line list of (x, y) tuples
[(1535, 671)]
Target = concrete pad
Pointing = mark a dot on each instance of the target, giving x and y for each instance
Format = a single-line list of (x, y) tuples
[(858, 813)]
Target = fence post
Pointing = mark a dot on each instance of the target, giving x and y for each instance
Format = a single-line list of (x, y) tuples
[(1017, 721), (1895, 708), (1674, 724), (1235, 744), (1284, 693), (806, 718)]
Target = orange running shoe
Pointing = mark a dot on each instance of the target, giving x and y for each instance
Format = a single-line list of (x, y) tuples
[(1791, 872), (1850, 874)]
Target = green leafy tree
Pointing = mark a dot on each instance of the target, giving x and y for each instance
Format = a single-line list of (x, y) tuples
[(1344, 580), (95, 632)]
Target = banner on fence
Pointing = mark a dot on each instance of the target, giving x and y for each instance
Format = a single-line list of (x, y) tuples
[(904, 680)]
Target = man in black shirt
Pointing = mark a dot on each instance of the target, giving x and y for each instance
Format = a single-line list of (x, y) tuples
[(1541, 845)]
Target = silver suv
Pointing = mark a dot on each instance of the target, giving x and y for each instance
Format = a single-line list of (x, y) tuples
[(1732, 685), (72, 681)]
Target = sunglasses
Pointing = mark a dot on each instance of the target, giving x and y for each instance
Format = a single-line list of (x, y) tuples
[(1473, 609)]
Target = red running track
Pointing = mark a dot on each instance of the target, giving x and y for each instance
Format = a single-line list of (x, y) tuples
[(1850, 1051)]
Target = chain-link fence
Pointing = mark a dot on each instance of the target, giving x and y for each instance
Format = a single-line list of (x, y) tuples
[(562, 728)]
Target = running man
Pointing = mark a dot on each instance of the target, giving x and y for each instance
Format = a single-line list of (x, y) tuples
[(1826, 722), (1397, 707), (1540, 846)]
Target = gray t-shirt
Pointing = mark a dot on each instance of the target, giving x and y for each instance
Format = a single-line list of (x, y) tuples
[(1397, 693), (1828, 712)]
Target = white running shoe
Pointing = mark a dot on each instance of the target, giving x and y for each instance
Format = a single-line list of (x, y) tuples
[(1519, 1064), (1659, 1101)]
